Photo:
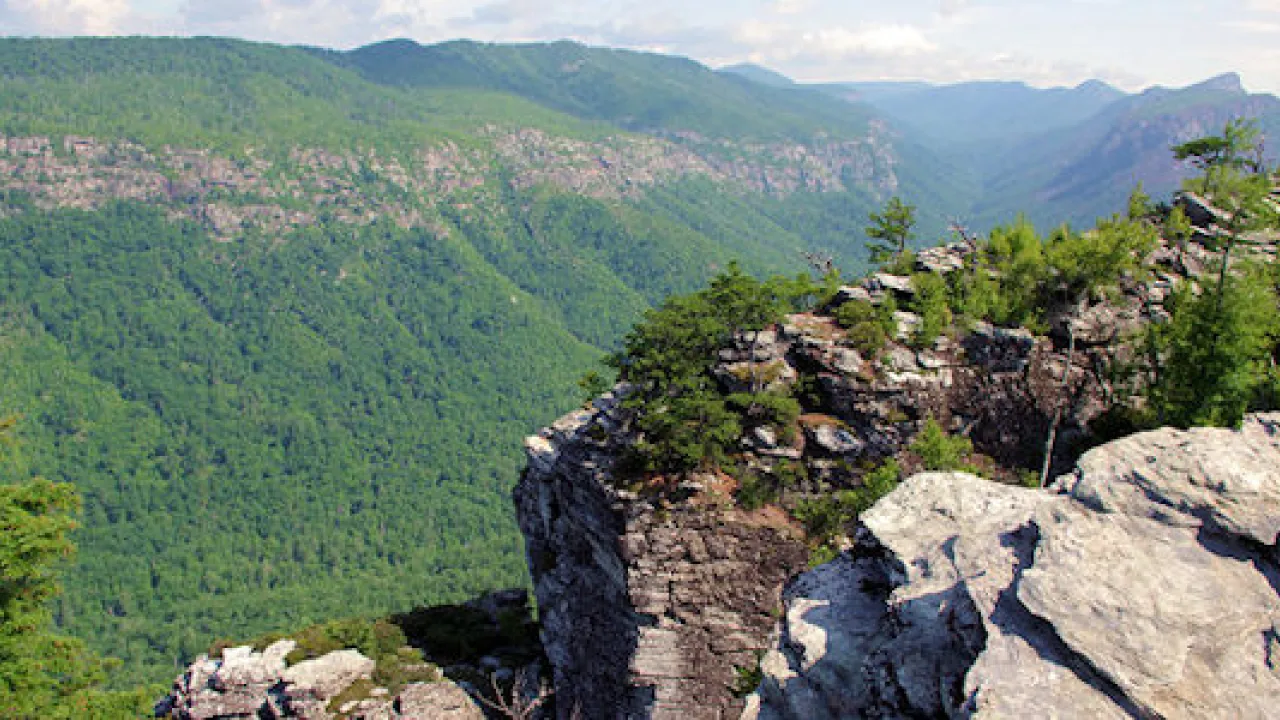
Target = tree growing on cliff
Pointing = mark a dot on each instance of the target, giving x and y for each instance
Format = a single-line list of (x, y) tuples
[(890, 230), (1217, 353), (1221, 158), (684, 418)]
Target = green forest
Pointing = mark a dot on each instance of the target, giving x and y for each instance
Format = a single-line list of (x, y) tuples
[(268, 438)]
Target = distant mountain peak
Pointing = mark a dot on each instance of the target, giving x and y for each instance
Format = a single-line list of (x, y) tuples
[(758, 73), (1226, 82), (1098, 87)]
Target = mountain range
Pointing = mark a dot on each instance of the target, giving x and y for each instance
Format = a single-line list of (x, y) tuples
[(1056, 154), (283, 313)]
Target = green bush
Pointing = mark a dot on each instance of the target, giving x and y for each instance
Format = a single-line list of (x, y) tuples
[(755, 491), (876, 484), (822, 517), (774, 409), (868, 326), (940, 451), (1218, 349), (932, 303)]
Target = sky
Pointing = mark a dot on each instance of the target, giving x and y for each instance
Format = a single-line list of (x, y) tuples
[(1132, 44)]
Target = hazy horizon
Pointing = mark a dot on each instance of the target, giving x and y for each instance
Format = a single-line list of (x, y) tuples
[(1131, 45)]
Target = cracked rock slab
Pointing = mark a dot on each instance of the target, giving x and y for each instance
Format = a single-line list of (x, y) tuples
[(1142, 585)]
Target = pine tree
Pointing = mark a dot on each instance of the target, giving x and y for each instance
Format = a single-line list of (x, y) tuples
[(42, 674), (891, 230)]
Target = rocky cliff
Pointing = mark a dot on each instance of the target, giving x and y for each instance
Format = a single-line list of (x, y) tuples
[(646, 606), (657, 597), (1143, 584), (960, 595), (280, 192)]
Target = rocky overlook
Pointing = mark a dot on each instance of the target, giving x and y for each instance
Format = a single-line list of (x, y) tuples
[(1102, 596), (957, 596)]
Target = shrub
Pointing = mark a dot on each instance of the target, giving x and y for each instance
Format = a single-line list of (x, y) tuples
[(755, 491), (876, 484), (822, 517), (766, 408), (933, 305), (940, 451), (868, 326)]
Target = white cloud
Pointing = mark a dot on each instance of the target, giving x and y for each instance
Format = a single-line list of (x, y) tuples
[(874, 41), (792, 7), (80, 17), (1265, 27)]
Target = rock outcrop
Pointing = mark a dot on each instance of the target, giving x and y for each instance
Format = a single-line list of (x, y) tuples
[(1143, 584), (280, 193), (656, 592), (647, 607), (244, 683)]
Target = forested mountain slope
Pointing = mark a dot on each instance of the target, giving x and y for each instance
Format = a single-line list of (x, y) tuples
[(1069, 175), (1062, 154), (284, 325), (981, 112)]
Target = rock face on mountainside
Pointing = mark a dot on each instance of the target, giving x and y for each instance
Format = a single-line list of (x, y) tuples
[(1143, 584), (244, 683), (282, 194), (646, 607)]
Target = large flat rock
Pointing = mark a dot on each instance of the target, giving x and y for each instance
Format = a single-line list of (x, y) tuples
[(1143, 584)]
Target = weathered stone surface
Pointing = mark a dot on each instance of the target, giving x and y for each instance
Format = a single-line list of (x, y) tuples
[(1142, 585), (436, 701), (247, 684), (645, 614), (328, 675), (836, 440), (242, 666), (999, 349), (1208, 476), (884, 282), (1200, 211), (944, 259), (849, 293)]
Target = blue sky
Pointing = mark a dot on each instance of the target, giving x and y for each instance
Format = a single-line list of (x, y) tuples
[(1131, 43)]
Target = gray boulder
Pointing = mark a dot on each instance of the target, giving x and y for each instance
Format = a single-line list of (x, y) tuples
[(324, 677), (241, 666), (835, 440), (886, 283), (436, 701), (1141, 585)]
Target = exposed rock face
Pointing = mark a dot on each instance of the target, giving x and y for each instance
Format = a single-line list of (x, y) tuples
[(1144, 584), (309, 685), (436, 701), (262, 189), (248, 684), (645, 609)]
